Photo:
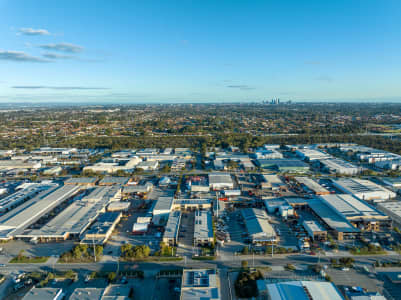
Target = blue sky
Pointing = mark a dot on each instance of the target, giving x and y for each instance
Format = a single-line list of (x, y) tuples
[(199, 51)]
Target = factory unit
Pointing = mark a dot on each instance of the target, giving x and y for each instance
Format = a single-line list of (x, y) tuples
[(200, 284), (393, 164), (392, 209), (337, 224), (284, 165), (75, 218), (368, 154), (83, 181), (311, 154), (300, 290), (170, 235), (137, 189), (112, 180), (101, 230), (257, 224), (148, 165), (339, 166), (363, 189), (220, 181), (393, 182), (267, 154), (6, 165), (114, 165), (357, 212), (23, 195), (192, 204), (17, 220), (119, 206), (272, 182), (203, 229), (44, 293), (315, 231), (309, 184)]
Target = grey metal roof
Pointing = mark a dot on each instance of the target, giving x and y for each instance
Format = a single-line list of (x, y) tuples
[(203, 229), (257, 223), (81, 180), (42, 293), (114, 180), (173, 225), (331, 216)]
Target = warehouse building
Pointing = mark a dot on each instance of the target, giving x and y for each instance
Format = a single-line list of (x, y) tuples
[(23, 195), (17, 220), (203, 229), (357, 212), (112, 180), (101, 230), (272, 182), (200, 284), (393, 182), (338, 225), (267, 154), (148, 165), (300, 290), (6, 165), (363, 189), (312, 154), (368, 154), (84, 181), (220, 181), (44, 293), (339, 166), (138, 189), (75, 218), (393, 164), (392, 209), (315, 231), (309, 184), (170, 235), (257, 224), (284, 165), (192, 204), (119, 206), (163, 206)]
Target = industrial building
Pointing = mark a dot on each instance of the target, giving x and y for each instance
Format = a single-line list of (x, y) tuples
[(22, 195), (138, 189), (44, 293), (339, 166), (75, 218), (112, 180), (284, 165), (220, 181), (272, 182), (114, 165), (393, 182), (101, 230), (17, 220), (392, 209), (267, 154), (357, 212), (363, 189), (119, 206), (84, 181), (203, 229), (163, 206), (300, 290), (312, 154), (192, 204), (337, 224), (170, 235), (148, 165), (368, 154), (200, 284), (6, 165), (257, 224), (315, 231), (309, 184)]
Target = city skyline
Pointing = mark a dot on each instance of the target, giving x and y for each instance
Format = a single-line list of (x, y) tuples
[(175, 52)]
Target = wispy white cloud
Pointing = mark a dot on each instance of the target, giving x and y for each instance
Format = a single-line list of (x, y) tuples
[(58, 56), (243, 87), (20, 57), (32, 31), (63, 47)]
